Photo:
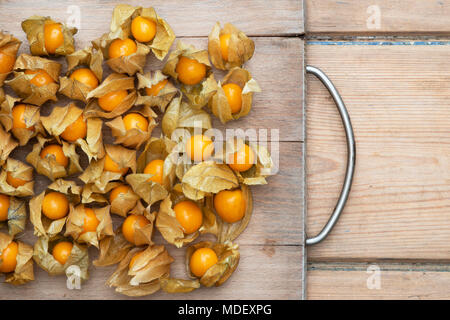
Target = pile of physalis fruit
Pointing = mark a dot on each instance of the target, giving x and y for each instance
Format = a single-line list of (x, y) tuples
[(184, 183)]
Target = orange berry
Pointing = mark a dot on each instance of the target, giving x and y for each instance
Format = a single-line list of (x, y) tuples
[(14, 182), (112, 166), (120, 48), (199, 147), (190, 71), (133, 260), (230, 205), (61, 251), (143, 29), (6, 62), (189, 215), (86, 77), (18, 115), (53, 37), (129, 226), (118, 191), (243, 159), (4, 207), (201, 260), (224, 44), (111, 100), (234, 96), (55, 205), (90, 221), (57, 152), (155, 167), (76, 130), (156, 88), (135, 121), (41, 78), (9, 258)]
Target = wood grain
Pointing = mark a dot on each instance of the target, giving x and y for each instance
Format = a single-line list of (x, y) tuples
[(187, 18), (397, 97), (411, 17), (397, 281)]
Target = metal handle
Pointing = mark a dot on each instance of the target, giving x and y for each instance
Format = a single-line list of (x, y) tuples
[(351, 155)]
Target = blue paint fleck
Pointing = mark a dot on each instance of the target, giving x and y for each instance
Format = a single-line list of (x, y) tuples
[(379, 43)]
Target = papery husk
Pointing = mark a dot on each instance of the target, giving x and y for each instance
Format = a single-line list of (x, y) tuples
[(124, 14), (31, 118), (43, 226), (79, 256), (143, 278), (208, 177), (34, 28), (75, 222), (48, 166), (257, 174), (188, 51), (8, 45), (148, 190), (124, 202), (62, 117), (230, 231), (173, 285), (219, 103), (114, 82), (200, 94), (228, 260), (163, 98), (92, 194), (113, 249), (130, 64), (21, 82), (23, 272), (7, 145), (143, 235), (18, 170), (17, 216), (134, 137), (97, 181), (180, 114), (240, 48)]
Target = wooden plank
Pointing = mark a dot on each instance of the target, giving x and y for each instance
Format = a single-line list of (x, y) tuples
[(377, 17), (397, 97), (354, 281), (187, 18)]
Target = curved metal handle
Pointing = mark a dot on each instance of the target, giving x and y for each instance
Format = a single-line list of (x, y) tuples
[(351, 155)]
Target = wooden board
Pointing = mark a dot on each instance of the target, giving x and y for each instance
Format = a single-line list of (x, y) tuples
[(396, 281), (368, 17), (273, 242), (397, 97)]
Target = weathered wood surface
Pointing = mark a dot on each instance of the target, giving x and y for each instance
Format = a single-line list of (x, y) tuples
[(272, 244), (397, 97), (369, 17), (396, 281)]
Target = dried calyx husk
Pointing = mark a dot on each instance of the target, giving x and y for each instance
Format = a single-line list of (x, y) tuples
[(113, 249), (9, 46), (219, 103), (240, 47), (23, 272), (16, 179), (86, 58), (171, 229), (43, 226), (228, 260), (157, 98), (28, 91), (140, 275), (63, 117), (175, 285), (123, 16), (114, 82), (142, 234), (199, 95), (124, 202), (31, 118), (79, 257), (7, 145), (17, 216), (34, 28), (76, 229), (48, 165), (134, 137)]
